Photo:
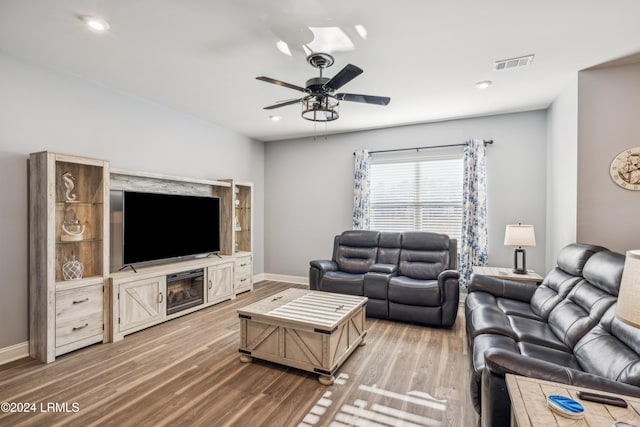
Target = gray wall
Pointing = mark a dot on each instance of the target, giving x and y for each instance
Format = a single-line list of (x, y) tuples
[(562, 172), (608, 106), (309, 185), (42, 110)]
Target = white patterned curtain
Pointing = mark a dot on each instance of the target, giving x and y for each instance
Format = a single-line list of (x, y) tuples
[(361, 180), (473, 248)]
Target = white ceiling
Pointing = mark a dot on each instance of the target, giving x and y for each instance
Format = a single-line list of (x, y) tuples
[(201, 57)]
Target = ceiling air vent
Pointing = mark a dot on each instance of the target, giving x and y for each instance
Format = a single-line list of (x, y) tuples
[(508, 64)]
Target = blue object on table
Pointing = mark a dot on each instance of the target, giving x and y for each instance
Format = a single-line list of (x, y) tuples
[(565, 406)]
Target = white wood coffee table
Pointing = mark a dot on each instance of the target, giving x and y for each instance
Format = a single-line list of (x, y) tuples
[(310, 330)]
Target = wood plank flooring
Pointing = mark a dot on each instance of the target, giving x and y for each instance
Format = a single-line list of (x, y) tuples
[(186, 372)]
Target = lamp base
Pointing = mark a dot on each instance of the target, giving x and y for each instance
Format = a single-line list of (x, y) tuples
[(519, 261)]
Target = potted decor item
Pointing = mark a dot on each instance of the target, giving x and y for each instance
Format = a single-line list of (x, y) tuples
[(73, 269)]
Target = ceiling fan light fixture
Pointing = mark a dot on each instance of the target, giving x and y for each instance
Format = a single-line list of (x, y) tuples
[(275, 118), (320, 108), (95, 23)]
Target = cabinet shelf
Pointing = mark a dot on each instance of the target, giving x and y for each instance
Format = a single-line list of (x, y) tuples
[(74, 203), (62, 242)]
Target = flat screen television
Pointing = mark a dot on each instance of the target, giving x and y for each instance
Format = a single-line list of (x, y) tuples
[(164, 227)]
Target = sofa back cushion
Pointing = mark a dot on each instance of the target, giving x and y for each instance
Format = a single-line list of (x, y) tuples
[(389, 248), (561, 280), (611, 350), (589, 299), (356, 250), (423, 255)]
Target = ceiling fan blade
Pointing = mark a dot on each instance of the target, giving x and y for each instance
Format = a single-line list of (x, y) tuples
[(280, 83), (344, 76), (367, 99), (283, 104)]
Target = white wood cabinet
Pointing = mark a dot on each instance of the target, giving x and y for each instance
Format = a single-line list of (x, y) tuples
[(74, 301), (141, 303), (68, 252), (220, 282), (139, 299)]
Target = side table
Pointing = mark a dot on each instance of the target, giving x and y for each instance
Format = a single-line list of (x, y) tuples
[(529, 405), (531, 277)]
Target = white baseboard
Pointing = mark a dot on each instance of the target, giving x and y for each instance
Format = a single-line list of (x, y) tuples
[(298, 280), (14, 352)]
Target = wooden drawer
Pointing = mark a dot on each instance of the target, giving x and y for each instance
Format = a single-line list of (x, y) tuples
[(79, 314), (243, 273)]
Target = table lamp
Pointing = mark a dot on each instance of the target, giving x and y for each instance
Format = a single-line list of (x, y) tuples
[(628, 309), (519, 235)]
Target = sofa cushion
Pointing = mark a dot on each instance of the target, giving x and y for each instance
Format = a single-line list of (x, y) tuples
[(389, 248), (512, 307), (551, 355), (343, 283), (611, 350), (423, 255), (573, 257), (554, 288), (405, 290), (357, 250), (604, 271), (536, 332)]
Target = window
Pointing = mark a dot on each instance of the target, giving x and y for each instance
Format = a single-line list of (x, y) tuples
[(423, 192)]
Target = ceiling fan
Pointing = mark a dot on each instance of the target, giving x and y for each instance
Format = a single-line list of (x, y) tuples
[(321, 102)]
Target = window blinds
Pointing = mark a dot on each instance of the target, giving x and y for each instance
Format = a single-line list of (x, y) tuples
[(423, 193)]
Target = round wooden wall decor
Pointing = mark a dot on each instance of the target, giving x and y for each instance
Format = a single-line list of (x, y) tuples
[(625, 169)]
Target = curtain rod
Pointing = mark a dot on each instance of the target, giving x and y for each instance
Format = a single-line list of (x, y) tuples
[(486, 142)]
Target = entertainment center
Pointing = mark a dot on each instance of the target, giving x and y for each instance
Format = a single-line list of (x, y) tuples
[(112, 252)]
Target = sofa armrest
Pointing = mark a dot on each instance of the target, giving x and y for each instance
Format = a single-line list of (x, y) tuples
[(501, 287), (500, 362), (449, 283), (317, 269), (324, 265), (383, 268)]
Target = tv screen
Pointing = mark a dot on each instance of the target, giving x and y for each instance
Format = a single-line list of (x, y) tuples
[(163, 226)]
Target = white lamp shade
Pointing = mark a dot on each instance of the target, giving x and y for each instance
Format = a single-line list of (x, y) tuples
[(628, 308), (519, 235)]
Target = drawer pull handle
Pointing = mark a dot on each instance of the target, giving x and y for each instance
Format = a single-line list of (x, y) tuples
[(210, 284), (243, 280), (243, 265), (160, 297), (81, 301), (77, 328)]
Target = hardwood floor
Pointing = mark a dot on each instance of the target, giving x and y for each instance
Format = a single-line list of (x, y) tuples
[(187, 372)]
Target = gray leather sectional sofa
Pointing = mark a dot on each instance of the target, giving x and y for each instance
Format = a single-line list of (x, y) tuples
[(409, 276), (564, 330)]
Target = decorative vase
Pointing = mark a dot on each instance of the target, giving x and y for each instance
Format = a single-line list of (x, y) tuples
[(73, 269)]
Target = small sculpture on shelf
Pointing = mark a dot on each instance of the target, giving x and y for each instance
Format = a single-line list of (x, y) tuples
[(69, 185), (73, 269), (72, 230)]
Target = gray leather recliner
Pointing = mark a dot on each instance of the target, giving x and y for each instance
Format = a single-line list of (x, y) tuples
[(407, 276)]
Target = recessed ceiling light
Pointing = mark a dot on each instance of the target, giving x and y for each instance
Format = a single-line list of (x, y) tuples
[(484, 84), (95, 23), (362, 31), (283, 47), (275, 118)]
